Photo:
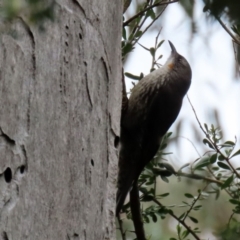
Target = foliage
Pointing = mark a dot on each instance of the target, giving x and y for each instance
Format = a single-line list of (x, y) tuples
[(34, 11), (214, 168)]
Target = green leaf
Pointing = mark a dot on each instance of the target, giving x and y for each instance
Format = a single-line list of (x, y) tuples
[(163, 173), (138, 34), (223, 165), (146, 219), (151, 13), (221, 157), (196, 208), (213, 158), (179, 229), (127, 49), (152, 51), (217, 194), (168, 134), (129, 75), (188, 195), (154, 217), (160, 44), (163, 195), (208, 143), (147, 198), (182, 215), (206, 127), (185, 234), (234, 201), (202, 163), (229, 143), (164, 179), (163, 146), (227, 182), (172, 239), (193, 219), (168, 166), (144, 47), (124, 34), (183, 166), (236, 153)]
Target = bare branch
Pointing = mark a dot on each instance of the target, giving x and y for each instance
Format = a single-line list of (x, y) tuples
[(126, 23), (228, 31)]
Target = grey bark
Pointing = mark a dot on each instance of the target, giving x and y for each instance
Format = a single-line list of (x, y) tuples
[(60, 96)]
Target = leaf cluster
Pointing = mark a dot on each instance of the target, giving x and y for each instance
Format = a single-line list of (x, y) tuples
[(35, 11)]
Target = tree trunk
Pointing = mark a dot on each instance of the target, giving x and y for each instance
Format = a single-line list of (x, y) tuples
[(60, 97)]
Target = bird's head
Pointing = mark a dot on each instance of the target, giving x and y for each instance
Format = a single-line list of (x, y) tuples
[(178, 65)]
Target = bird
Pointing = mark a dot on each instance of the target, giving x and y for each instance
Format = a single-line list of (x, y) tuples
[(152, 107)]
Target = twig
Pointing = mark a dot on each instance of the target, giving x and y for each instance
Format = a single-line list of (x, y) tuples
[(136, 212), (151, 24), (199, 177), (156, 42), (200, 125), (228, 31), (195, 148), (217, 180), (179, 220), (193, 203), (137, 28), (213, 143), (146, 9), (229, 220)]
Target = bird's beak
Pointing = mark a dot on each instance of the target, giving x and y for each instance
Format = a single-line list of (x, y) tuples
[(174, 51)]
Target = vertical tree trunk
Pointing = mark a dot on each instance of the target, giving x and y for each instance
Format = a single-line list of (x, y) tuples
[(60, 96)]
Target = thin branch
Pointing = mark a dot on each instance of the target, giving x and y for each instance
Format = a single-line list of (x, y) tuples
[(200, 125), (228, 31), (193, 203), (213, 143), (146, 9), (211, 172), (153, 21), (199, 177), (195, 148), (179, 220), (229, 220), (156, 43)]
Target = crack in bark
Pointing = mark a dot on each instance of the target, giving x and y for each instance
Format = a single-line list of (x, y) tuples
[(8, 140), (87, 87), (30, 33), (24, 152), (75, 2)]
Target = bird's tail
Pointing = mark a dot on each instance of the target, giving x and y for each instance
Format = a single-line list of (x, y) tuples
[(123, 190), (129, 153)]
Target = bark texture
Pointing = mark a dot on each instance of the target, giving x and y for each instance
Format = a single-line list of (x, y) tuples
[(60, 97)]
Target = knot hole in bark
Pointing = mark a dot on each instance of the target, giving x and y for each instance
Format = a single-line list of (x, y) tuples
[(116, 141), (8, 175)]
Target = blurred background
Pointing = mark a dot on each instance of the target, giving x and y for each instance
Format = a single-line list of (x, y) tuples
[(214, 93)]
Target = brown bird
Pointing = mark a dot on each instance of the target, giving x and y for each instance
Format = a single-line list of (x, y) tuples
[(153, 106)]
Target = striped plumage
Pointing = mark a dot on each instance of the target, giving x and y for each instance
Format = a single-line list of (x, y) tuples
[(152, 108)]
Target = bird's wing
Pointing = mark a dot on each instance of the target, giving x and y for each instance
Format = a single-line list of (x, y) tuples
[(142, 98)]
